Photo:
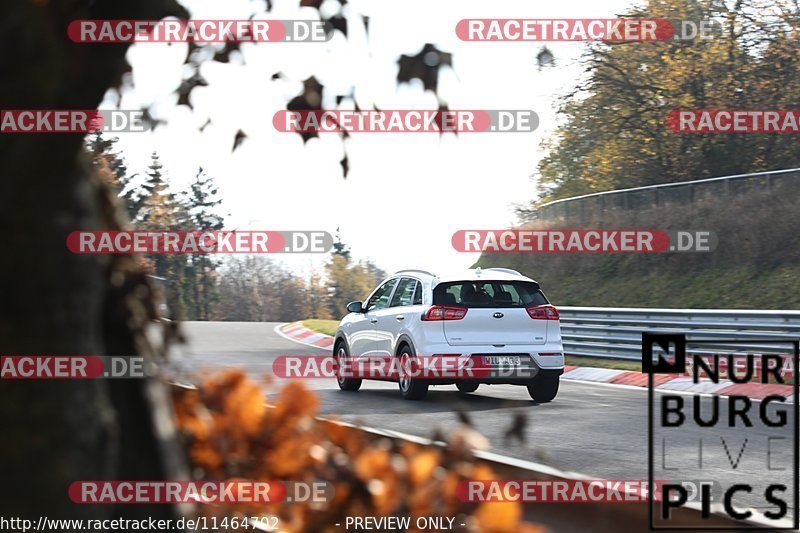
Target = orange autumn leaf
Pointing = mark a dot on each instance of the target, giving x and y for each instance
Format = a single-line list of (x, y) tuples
[(245, 407), (372, 464), (499, 517), (482, 472), (422, 465), (296, 401)]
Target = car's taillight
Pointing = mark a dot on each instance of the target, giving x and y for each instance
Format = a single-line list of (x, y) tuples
[(543, 312), (443, 312)]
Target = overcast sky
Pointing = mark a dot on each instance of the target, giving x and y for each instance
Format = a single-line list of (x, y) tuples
[(405, 194)]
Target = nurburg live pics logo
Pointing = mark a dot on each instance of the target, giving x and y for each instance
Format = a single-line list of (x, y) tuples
[(759, 466)]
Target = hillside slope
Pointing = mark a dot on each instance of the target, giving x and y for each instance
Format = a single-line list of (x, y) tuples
[(755, 266)]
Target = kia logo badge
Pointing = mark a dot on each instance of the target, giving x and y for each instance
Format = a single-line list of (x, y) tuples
[(498, 315)]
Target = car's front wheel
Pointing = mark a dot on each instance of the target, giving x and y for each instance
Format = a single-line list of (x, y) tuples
[(411, 387), (544, 387), (345, 383)]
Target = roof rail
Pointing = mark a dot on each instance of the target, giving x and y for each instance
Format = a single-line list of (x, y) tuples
[(416, 270), (506, 270)]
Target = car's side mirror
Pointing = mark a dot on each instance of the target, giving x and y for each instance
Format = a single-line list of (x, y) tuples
[(355, 307)]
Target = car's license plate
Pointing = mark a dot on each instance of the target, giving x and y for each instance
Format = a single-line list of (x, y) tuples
[(501, 360)]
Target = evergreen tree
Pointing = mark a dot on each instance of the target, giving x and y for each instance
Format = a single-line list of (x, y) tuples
[(109, 162), (158, 209), (152, 201), (200, 202), (340, 248)]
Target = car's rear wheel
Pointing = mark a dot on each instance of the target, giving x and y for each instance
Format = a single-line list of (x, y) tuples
[(411, 388), (544, 387), (345, 383), (467, 387)]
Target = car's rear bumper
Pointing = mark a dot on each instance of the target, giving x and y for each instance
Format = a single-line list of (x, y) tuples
[(553, 360), (515, 380), (473, 368)]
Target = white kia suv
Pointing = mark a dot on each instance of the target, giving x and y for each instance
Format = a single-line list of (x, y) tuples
[(494, 322)]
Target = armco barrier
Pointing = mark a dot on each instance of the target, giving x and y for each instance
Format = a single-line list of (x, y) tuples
[(617, 332)]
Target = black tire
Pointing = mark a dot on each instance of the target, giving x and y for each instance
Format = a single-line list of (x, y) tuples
[(544, 387), (411, 388), (349, 384), (466, 387)]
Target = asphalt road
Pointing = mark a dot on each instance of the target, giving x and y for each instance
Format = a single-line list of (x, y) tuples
[(594, 429)]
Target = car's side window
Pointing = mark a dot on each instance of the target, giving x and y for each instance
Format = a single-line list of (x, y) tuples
[(404, 295), (418, 294), (380, 298)]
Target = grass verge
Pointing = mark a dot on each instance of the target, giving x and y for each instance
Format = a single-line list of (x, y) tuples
[(328, 327), (602, 362)]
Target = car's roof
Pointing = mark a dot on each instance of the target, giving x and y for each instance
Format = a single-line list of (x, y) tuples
[(474, 274)]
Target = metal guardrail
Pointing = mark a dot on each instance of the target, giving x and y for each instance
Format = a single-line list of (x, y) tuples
[(584, 208), (617, 332)]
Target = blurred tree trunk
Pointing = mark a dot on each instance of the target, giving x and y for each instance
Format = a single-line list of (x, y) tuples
[(55, 432)]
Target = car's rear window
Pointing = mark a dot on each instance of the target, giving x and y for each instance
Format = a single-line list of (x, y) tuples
[(487, 293)]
